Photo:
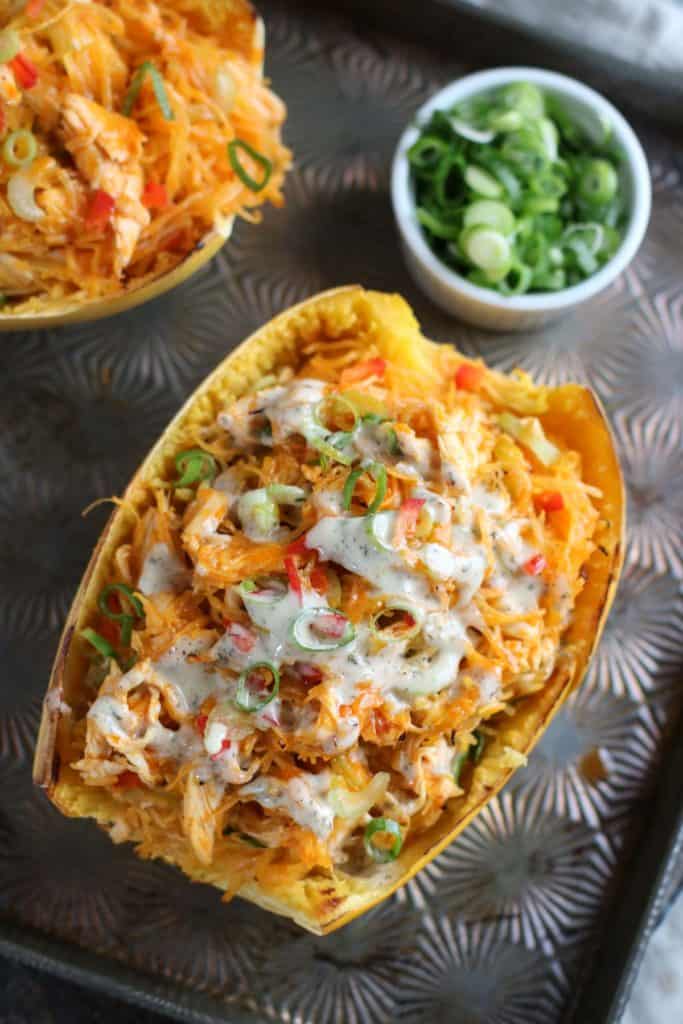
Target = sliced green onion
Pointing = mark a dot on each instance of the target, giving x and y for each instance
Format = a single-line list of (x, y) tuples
[(427, 152), (478, 749), (130, 99), (257, 513), (19, 148), (380, 530), (285, 494), (590, 234), (126, 619), (439, 227), (517, 281), (308, 630), (245, 698), (487, 249), (507, 121), (267, 591), (379, 474), (396, 630), (458, 764), (10, 45), (489, 213), (195, 465), (386, 826), (469, 132), (101, 645), (334, 408), (482, 182), (599, 182), (235, 146), (525, 98), (331, 451)]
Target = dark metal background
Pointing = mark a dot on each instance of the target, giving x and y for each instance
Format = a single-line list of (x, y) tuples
[(508, 924)]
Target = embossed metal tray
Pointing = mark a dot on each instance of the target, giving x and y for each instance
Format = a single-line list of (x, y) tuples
[(537, 913)]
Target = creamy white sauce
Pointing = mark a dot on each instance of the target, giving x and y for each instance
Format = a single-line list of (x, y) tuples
[(347, 542), (302, 798), (194, 681), (162, 572)]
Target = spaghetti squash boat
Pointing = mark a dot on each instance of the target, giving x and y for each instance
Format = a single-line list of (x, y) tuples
[(334, 610), (131, 135)]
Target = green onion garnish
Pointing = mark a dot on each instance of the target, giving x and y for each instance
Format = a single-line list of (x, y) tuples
[(250, 699), (383, 826), (478, 749), (195, 465), (10, 45), (397, 620), (322, 629), (101, 645), (125, 619), (147, 68), (255, 185), (379, 473), (19, 148), (502, 181), (458, 764)]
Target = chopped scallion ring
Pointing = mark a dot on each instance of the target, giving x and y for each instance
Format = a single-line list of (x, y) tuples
[(379, 473), (10, 45), (334, 412), (101, 645), (234, 148), (397, 620), (322, 629), (194, 465), (145, 69), (515, 165), (268, 590), (19, 148), (386, 827), (331, 450), (252, 686), (125, 619)]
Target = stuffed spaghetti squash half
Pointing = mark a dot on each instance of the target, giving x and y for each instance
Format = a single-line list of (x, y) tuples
[(334, 610)]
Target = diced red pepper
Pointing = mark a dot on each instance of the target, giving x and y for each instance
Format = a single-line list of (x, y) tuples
[(200, 721), (128, 780), (242, 637), (298, 546), (375, 367), (406, 521), (154, 196), (535, 565), (468, 377), (308, 672), (549, 501), (293, 577), (331, 625), (3, 121), (225, 745), (100, 209), (25, 71), (319, 579), (33, 8)]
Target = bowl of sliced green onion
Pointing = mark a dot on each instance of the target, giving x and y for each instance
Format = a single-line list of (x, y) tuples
[(518, 193)]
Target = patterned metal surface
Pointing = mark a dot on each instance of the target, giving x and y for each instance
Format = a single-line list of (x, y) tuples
[(498, 926)]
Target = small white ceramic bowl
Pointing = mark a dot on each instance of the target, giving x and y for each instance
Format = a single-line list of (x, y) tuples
[(485, 307)]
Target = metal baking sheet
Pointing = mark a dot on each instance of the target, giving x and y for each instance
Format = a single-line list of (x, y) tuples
[(507, 925)]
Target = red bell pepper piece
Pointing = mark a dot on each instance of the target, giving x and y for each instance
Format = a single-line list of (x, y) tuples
[(294, 578), (535, 565), (549, 501), (25, 71), (468, 377), (154, 196), (100, 209)]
